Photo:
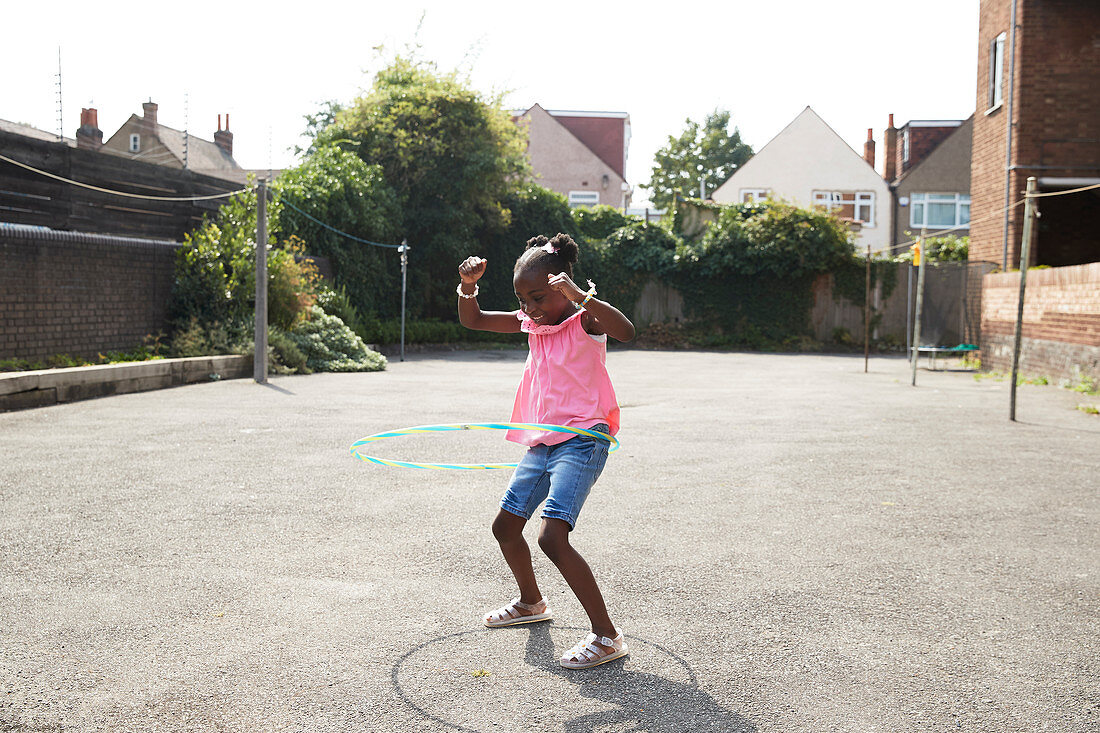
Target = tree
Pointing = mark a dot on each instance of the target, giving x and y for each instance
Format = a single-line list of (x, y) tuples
[(708, 150), (451, 156), (335, 186)]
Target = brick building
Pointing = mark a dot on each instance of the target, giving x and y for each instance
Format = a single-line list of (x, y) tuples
[(927, 164), (1043, 75), (1038, 114), (581, 155)]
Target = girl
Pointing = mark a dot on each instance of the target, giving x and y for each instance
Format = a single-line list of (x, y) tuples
[(564, 382)]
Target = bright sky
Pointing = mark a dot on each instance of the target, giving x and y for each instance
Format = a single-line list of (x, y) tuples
[(267, 65)]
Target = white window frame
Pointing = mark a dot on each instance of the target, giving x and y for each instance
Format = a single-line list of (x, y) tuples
[(135, 142), (996, 72), (583, 198), (830, 200), (921, 201), (750, 195), (905, 145)]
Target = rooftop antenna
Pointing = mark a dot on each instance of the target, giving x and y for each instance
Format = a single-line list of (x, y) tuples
[(60, 116), (185, 123)]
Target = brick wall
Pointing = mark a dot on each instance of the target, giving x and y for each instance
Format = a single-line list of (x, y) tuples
[(80, 294), (1061, 328)]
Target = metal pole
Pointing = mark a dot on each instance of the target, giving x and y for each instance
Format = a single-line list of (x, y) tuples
[(921, 267), (259, 354), (867, 314), (404, 250), (1030, 214), (702, 188), (909, 311)]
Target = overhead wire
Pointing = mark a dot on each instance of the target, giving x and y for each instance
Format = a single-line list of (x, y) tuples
[(282, 199), (124, 193)]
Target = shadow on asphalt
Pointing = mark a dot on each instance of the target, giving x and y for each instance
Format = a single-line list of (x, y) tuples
[(277, 388), (645, 702)]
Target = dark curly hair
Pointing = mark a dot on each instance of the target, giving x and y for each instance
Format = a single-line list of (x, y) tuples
[(561, 259)]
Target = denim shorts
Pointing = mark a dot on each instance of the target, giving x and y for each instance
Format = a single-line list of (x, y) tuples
[(561, 474)]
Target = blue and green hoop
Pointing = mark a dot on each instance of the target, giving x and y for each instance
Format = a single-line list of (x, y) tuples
[(357, 445)]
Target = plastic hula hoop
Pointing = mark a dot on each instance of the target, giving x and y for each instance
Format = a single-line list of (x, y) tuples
[(358, 445)]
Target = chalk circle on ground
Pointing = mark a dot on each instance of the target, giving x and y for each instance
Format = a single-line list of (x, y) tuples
[(474, 680), (358, 446)]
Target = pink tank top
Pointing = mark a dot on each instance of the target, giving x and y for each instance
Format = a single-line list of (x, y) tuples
[(565, 382)]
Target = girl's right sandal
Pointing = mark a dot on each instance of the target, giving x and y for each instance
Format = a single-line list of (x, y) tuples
[(510, 615)]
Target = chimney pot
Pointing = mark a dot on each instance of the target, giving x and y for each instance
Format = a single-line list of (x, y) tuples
[(889, 155), (150, 111), (88, 135), (869, 148), (224, 138)]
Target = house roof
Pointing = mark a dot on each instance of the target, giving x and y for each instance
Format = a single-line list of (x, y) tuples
[(203, 156), (961, 128), (763, 154), (18, 128), (604, 133)]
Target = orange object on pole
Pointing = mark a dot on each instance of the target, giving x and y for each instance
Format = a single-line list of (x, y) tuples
[(915, 249)]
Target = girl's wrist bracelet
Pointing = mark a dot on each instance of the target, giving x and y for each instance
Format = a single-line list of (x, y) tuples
[(589, 294), (464, 295)]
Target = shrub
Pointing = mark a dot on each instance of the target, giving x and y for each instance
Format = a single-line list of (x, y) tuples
[(215, 275), (599, 222), (285, 356), (202, 339), (330, 346)]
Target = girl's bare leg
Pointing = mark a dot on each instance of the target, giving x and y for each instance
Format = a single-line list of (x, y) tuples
[(554, 541), (508, 529)]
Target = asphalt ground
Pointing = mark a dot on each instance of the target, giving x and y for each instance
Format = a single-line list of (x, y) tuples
[(788, 543)]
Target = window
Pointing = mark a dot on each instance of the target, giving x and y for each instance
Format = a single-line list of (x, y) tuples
[(939, 210), (135, 143), (905, 146), (748, 195), (854, 205), (996, 71), (583, 198)]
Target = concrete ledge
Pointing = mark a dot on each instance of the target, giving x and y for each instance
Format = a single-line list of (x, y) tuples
[(21, 390)]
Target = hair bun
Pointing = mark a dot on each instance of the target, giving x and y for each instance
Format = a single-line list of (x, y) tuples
[(566, 248)]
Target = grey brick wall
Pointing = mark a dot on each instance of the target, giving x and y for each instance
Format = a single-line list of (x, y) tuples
[(80, 294)]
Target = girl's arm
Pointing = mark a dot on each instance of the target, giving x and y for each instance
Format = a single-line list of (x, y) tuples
[(602, 317), (599, 316), (470, 314)]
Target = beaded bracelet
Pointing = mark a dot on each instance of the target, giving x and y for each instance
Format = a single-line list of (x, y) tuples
[(589, 294), (464, 295)]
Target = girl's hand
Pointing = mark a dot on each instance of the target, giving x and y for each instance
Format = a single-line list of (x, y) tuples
[(472, 269), (565, 285)]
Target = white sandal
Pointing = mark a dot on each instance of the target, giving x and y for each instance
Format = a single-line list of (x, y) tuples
[(510, 616), (586, 654)]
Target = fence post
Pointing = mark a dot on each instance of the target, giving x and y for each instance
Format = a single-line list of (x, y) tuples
[(404, 250), (867, 313), (920, 303), (259, 353), (1030, 214)]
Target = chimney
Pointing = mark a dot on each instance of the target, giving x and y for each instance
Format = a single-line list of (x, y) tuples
[(869, 148), (890, 165), (150, 110), (88, 135), (224, 138)]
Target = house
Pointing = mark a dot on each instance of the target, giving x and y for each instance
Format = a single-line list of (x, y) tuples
[(579, 154), (1038, 115), (144, 138), (927, 164), (809, 164)]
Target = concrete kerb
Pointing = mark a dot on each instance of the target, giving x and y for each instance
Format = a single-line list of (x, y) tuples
[(21, 390)]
